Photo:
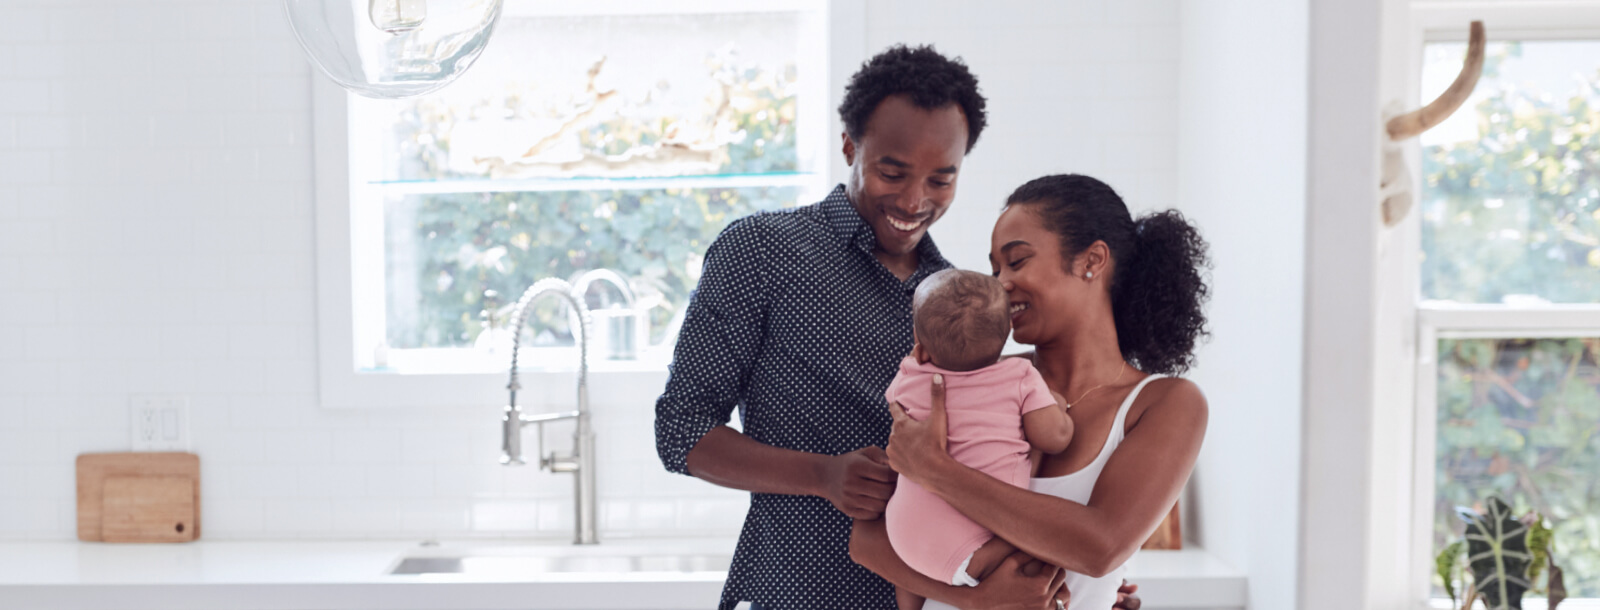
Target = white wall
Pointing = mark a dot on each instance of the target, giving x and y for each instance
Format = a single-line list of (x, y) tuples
[(156, 237), (1078, 86), (1337, 542), (1242, 179)]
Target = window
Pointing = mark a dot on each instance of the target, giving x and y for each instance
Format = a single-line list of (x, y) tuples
[(623, 138), (1509, 322)]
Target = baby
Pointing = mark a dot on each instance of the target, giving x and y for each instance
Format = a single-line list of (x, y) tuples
[(997, 411)]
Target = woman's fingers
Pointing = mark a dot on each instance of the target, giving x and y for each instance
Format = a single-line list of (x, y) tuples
[(897, 413)]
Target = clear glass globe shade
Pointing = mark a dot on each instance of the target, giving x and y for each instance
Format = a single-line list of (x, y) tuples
[(345, 40)]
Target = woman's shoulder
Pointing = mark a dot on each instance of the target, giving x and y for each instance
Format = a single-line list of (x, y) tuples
[(1169, 398)]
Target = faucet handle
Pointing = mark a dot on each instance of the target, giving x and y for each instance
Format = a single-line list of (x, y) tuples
[(560, 463)]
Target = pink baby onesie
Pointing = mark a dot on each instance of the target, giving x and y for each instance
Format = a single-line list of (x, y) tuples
[(984, 411)]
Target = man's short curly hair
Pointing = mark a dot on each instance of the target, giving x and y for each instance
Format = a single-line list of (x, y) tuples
[(929, 79)]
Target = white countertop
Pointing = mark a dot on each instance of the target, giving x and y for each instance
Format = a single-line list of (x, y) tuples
[(324, 575)]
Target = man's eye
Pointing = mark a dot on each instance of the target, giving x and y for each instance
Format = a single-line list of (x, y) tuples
[(888, 176), (941, 184)]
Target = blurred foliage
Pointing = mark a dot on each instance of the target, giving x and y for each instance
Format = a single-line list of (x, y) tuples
[(1520, 418), (1516, 212), (471, 254)]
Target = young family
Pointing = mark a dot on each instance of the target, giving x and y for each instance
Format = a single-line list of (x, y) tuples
[(895, 458)]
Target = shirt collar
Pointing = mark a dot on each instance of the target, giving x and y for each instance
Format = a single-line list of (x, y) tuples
[(842, 217)]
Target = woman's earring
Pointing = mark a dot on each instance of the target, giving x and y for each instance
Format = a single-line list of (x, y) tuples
[(1089, 275)]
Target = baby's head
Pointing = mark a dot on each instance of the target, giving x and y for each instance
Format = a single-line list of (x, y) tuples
[(961, 319)]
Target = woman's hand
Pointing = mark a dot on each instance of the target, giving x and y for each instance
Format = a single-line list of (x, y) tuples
[(1128, 597), (1021, 583), (917, 447)]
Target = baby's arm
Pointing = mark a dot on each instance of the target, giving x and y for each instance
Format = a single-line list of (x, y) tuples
[(1048, 429)]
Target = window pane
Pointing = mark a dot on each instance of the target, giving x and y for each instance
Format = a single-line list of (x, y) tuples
[(617, 95), (444, 251), (1521, 418), (1510, 198)]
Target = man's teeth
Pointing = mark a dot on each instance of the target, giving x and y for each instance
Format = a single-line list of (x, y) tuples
[(903, 226), (1016, 307)]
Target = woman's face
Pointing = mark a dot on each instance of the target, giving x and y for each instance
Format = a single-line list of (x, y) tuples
[(1027, 258)]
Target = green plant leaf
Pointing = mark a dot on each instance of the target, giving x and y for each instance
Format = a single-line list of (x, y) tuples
[(1539, 538), (1497, 550), (1447, 566)]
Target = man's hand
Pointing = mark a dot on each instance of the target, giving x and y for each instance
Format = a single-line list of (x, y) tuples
[(859, 483)]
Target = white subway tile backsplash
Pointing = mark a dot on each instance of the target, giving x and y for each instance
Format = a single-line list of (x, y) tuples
[(297, 445), (298, 517), (322, 480), (296, 375), (505, 516), (263, 481), (23, 168), (367, 446), (25, 25), (29, 518), (372, 517), (400, 481), (229, 516), (436, 517), (30, 377), (220, 21)]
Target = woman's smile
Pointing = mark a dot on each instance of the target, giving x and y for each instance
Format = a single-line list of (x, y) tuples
[(1017, 309)]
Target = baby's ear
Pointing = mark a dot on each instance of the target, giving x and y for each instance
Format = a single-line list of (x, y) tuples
[(920, 354)]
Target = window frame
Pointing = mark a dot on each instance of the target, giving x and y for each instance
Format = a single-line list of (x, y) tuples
[(1434, 320), (348, 290)]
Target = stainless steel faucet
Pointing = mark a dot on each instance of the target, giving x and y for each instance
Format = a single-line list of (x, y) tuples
[(616, 330), (581, 461)]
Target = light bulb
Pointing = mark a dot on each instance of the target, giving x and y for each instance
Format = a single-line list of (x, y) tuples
[(414, 49), (397, 16)]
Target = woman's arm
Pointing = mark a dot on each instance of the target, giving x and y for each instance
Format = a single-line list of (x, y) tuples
[(1012, 585), (1139, 484)]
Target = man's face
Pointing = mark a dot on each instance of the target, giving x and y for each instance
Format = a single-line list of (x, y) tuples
[(903, 171)]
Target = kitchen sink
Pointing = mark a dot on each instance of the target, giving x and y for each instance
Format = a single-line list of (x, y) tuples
[(513, 565)]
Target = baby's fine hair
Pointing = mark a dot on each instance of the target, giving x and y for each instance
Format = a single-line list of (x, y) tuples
[(962, 319)]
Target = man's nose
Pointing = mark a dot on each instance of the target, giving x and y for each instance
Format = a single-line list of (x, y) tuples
[(913, 201)]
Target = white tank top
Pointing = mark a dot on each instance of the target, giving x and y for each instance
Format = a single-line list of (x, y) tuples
[(1088, 593)]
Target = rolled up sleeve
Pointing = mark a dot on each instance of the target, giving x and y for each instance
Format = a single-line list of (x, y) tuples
[(722, 334)]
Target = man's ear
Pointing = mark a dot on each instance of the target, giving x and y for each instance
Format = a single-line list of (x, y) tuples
[(849, 149)]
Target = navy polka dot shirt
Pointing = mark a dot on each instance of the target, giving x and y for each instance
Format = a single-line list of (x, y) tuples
[(797, 325)]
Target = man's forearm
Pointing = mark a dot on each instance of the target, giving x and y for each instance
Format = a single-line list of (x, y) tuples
[(730, 459)]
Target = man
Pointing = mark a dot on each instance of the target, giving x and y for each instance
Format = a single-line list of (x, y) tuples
[(800, 319)]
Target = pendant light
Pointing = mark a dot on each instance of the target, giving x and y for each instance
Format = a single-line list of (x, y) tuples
[(393, 48)]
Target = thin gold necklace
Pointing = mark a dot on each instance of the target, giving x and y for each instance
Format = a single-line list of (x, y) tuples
[(1120, 371)]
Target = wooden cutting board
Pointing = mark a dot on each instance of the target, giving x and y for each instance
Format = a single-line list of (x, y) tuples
[(138, 497)]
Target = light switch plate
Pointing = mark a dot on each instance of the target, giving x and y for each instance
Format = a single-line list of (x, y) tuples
[(159, 422)]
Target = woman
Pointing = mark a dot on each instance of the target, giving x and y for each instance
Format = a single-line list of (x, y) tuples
[(1112, 306)]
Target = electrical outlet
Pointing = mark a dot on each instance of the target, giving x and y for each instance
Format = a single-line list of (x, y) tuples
[(160, 422)]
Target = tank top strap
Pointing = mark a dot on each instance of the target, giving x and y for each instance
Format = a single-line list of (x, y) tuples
[(1120, 425)]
